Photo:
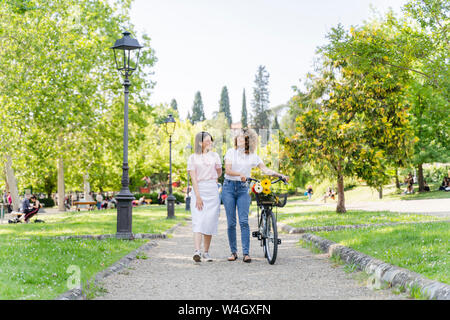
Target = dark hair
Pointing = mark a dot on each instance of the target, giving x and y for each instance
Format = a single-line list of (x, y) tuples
[(33, 197), (199, 137)]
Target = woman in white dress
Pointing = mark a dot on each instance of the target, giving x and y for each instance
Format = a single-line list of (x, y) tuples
[(204, 167)]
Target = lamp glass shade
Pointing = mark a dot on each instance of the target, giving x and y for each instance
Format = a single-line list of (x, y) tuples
[(169, 125), (126, 53)]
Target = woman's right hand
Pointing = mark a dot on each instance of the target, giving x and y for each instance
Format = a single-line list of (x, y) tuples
[(199, 203), (243, 178)]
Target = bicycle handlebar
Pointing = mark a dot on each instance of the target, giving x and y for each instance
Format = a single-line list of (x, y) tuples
[(279, 179)]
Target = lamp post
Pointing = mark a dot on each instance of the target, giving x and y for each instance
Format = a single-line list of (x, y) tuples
[(169, 126), (188, 198), (126, 55)]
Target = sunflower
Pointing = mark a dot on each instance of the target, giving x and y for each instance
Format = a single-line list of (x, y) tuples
[(266, 183), (266, 190)]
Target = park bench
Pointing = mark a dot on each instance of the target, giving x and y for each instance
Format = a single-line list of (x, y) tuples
[(90, 205)]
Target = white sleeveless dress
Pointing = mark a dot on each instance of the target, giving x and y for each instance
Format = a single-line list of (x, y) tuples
[(205, 221)]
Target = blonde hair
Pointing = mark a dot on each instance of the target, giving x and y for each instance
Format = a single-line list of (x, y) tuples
[(251, 140)]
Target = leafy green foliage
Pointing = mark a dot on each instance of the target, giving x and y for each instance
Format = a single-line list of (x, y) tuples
[(65, 85)]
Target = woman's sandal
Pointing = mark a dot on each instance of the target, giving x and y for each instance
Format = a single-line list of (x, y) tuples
[(248, 259), (233, 257)]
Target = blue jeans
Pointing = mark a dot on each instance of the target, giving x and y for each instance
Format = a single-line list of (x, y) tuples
[(235, 195)]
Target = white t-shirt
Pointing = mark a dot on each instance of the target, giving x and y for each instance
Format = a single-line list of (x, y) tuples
[(241, 162)]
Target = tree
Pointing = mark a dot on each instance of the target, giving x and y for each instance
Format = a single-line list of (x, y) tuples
[(260, 102), (418, 44), (430, 120), (276, 125), (244, 121), (353, 119), (174, 105), (198, 114), (66, 101), (430, 43), (224, 104)]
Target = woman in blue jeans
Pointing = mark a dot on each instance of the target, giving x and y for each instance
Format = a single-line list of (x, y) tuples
[(239, 162)]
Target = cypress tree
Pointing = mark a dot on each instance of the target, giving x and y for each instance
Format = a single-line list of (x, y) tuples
[(174, 105), (224, 104), (276, 125), (198, 113), (260, 102), (244, 121), (189, 117)]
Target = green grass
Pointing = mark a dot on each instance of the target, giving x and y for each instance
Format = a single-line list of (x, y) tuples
[(422, 248), (34, 266), (38, 268), (316, 216), (434, 194), (147, 219)]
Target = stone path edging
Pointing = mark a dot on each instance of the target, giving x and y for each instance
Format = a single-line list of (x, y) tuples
[(77, 293), (383, 272)]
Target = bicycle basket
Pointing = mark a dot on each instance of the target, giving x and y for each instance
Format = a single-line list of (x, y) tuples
[(272, 200)]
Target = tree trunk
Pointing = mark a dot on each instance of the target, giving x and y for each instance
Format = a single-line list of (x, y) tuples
[(61, 191), (420, 177), (87, 186), (380, 192), (61, 188), (6, 178), (12, 184), (340, 185), (397, 181)]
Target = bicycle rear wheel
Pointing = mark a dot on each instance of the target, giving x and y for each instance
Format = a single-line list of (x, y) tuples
[(270, 240)]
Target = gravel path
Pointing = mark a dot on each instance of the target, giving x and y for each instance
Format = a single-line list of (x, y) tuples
[(170, 273)]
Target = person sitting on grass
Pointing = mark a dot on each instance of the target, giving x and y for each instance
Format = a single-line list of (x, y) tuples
[(162, 196), (426, 187), (445, 186), (33, 209), (25, 207), (327, 194), (409, 181)]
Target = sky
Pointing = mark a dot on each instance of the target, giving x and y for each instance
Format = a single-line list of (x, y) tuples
[(203, 45)]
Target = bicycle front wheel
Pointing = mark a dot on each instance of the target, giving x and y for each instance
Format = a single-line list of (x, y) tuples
[(271, 238)]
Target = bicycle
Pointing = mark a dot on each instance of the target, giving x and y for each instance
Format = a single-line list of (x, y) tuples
[(267, 232)]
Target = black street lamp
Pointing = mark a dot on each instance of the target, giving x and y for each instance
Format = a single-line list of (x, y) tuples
[(169, 126), (126, 55), (188, 197)]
